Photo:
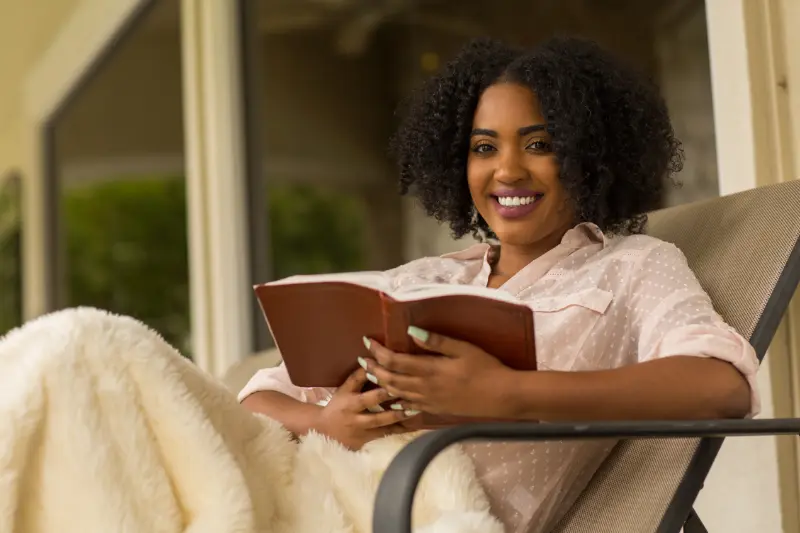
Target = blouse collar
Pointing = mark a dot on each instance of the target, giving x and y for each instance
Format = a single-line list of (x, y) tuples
[(582, 235)]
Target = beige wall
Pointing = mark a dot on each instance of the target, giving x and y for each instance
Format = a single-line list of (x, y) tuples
[(26, 30), (789, 20)]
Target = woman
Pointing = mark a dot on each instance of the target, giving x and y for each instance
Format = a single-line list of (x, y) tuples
[(556, 154)]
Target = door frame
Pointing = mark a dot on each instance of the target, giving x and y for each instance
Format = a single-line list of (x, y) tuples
[(221, 304), (750, 59)]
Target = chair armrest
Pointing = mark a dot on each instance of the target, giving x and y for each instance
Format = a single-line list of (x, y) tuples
[(392, 512)]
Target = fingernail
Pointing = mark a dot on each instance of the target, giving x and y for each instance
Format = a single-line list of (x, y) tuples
[(366, 342), (411, 412), (396, 407), (418, 333), (362, 363), (391, 394), (372, 378)]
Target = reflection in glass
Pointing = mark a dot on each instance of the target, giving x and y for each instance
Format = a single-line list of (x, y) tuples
[(315, 230), (127, 252), (333, 73), (118, 161)]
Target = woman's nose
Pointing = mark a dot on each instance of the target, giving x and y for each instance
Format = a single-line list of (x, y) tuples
[(510, 169)]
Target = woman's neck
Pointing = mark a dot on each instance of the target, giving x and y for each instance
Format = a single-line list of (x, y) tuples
[(511, 258)]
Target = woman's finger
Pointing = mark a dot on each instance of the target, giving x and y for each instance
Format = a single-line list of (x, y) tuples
[(371, 398), (386, 418), (400, 363), (354, 382), (440, 343), (398, 384)]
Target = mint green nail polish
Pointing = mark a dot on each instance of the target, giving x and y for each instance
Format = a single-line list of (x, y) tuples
[(411, 412), (396, 407), (362, 363), (372, 378), (366, 342), (418, 333)]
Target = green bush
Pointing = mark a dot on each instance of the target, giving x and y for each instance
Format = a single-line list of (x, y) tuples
[(315, 231), (127, 245), (126, 251), (10, 257)]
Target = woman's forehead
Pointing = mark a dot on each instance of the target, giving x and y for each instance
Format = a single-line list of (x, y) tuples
[(508, 103)]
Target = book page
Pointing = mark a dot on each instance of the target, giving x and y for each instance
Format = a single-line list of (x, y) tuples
[(370, 279), (425, 291), (379, 281)]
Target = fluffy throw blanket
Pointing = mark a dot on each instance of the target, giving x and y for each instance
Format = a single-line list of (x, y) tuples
[(105, 428)]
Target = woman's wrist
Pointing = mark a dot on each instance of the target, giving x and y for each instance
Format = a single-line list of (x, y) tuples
[(516, 394), (296, 416)]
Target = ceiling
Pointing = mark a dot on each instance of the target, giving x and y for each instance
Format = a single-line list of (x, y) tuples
[(355, 21)]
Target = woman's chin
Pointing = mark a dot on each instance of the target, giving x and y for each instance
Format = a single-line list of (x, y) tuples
[(516, 238)]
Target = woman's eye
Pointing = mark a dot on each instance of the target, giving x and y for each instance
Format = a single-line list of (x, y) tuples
[(482, 148), (539, 146)]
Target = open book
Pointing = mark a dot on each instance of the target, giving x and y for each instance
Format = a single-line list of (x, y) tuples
[(318, 321)]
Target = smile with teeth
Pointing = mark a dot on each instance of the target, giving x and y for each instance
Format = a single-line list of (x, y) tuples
[(515, 201)]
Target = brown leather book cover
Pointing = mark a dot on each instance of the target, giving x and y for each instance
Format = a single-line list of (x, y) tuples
[(318, 323)]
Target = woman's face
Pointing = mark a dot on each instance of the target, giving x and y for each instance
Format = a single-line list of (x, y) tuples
[(512, 172)]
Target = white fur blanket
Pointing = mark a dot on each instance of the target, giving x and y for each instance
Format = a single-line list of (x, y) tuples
[(105, 427)]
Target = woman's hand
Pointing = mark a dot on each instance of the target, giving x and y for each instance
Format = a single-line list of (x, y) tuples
[(464, 380), (347, 420)]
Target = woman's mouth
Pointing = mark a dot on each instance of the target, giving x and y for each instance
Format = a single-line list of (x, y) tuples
[(516, 205)]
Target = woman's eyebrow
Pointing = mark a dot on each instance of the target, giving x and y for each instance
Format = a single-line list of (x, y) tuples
[(525, 130), (481, 131), (530, 129)]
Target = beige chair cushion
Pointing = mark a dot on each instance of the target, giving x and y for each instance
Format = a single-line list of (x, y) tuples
[(240, 373), (737, 246)]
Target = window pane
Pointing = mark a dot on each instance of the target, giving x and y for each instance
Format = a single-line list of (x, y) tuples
[(118, 152), (10, 254)]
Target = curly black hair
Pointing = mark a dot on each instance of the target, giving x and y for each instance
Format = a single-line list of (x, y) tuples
[(610, 128)]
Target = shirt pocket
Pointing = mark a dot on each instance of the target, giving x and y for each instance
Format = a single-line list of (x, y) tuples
[(563, 324)]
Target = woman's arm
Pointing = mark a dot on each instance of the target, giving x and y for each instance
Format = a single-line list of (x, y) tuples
[(683, 362), (345, 418), (465, 380), (678, 387), (296, 416)]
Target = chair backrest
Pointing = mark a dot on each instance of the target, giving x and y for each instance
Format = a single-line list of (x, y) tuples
[(239, 373), (744, 250)]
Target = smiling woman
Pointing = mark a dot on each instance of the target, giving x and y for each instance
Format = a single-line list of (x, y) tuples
[(557, 153)]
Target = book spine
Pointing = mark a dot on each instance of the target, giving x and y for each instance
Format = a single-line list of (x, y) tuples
[(395, 325)]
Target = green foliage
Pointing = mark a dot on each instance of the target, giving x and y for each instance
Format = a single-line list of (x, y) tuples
[(314, 231), (10, 257), (126, 251), (127, 245)]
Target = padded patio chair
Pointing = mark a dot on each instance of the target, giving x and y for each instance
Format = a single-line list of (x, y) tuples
[(745, 250)]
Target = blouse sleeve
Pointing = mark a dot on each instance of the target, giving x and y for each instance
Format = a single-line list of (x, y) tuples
[(675, 316), (277, 379)]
